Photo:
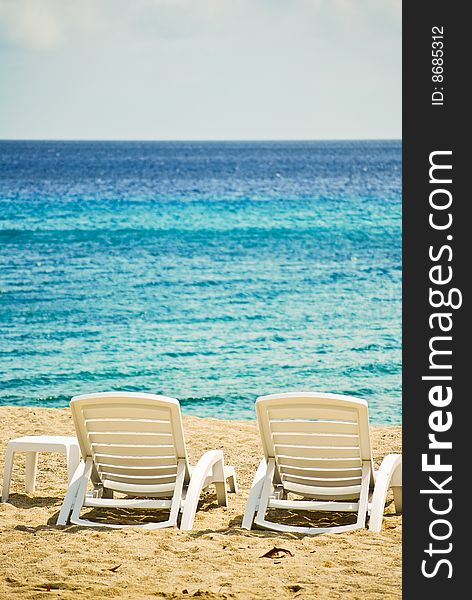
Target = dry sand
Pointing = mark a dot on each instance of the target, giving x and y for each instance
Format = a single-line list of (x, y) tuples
[(216, 560)]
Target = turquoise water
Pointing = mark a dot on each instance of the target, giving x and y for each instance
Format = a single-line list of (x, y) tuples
[(212, 272)]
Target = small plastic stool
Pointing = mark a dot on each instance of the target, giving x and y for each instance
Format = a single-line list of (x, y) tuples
[(31, 445)]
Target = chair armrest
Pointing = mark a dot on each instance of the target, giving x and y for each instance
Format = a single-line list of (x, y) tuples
[(209, 469)]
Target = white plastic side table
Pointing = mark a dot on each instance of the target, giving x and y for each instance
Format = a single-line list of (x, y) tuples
[(31, 445)]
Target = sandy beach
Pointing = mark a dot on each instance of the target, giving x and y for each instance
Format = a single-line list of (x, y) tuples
[(217, 560)]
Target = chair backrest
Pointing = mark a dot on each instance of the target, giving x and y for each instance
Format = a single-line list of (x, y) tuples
[(134, 439), (318, 440)]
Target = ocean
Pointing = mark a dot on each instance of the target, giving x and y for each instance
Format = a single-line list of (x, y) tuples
[(212, 272)]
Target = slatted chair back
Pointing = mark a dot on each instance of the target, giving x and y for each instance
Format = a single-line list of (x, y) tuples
[(320, 442), (135, 440)]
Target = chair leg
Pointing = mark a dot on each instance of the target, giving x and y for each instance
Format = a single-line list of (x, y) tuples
[(30, 472), (254, 495), (71, 494), (220, 483), (388, 475), (397, 497), (81, 492), (231, 479), (177, 495), (396, 484), (73, 459), (233, 485), (265, 493), (10, 454), (364, 495)]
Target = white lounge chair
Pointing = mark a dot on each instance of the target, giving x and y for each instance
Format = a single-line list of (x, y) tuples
[(318, 446), (134, 444)]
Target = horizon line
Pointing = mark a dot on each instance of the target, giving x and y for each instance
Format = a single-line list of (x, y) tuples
[(211, 140)]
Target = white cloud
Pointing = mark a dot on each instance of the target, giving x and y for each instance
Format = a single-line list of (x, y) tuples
[(29, 24), (45, 24)]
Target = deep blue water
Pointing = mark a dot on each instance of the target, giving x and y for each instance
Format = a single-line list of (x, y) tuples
[(212, 272)]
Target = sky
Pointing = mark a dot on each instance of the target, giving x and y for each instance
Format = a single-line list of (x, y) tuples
[(200, 69)]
